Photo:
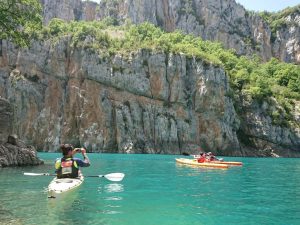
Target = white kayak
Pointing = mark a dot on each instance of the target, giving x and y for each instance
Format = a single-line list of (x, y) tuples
[(58, 186)]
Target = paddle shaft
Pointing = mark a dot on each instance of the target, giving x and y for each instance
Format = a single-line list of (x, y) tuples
[(39, 174), (110, 176)]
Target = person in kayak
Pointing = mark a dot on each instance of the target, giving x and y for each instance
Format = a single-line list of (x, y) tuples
[(67, 166), (202, 158), (211, 157)]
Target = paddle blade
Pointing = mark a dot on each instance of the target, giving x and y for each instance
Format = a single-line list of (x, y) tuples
[(114, 176), (34, 174), (38, 174)]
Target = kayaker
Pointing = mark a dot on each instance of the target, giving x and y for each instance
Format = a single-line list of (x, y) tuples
[(67, 166), (211, 157), (202, 158)]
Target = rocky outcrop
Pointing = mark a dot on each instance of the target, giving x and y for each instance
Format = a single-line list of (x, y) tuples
[(63, 9), (142, 102), (259, 131), (286, 44), (13, 152), (223, 21), (70, 10)]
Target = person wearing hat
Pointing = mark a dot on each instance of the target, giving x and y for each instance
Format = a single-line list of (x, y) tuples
[(67, 166)]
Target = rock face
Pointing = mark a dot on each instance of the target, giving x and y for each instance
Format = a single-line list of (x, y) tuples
[(13, 152), (6, 116), (143, 102), (223, 21), (63, 9), (258, 130), (286, 44), (69, 10)]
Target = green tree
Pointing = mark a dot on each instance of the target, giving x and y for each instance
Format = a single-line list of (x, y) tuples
[(18, 18), (241, 78)]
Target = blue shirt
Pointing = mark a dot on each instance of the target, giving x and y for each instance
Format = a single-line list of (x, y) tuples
[(81, 163)]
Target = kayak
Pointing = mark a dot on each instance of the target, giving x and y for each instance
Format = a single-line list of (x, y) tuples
[(221, 162), (194, 162), (228, 163), (58, 186)]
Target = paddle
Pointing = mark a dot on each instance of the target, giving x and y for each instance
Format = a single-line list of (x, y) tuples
[(110, 176)]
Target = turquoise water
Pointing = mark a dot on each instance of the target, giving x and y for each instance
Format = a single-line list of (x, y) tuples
[(156, 190)]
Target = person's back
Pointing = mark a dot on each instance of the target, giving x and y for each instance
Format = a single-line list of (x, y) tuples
[(67, 166)]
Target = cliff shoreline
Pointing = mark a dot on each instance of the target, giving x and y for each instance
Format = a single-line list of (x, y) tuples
[(144, 102)]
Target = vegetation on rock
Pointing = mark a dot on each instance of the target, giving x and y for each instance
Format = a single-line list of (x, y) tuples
[(278, 20)]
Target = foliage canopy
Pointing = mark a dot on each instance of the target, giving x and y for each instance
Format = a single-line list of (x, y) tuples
[(18, 18)]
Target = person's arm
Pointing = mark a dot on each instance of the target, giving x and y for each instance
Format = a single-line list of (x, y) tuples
[(86, 161), (85, 157)]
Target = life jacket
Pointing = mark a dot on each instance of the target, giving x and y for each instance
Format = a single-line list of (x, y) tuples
[(66, 168), (201, 160)]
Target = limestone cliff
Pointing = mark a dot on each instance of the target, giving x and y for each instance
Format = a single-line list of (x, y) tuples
[(286, 44), (224, 21), (142, 102), (156, 103), (13, 152), (259, 131)]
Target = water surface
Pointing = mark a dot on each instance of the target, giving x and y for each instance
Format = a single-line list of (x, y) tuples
[(155, 191)]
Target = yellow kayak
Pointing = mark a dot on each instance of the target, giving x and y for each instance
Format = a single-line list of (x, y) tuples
[(228, 163), (205, 164)]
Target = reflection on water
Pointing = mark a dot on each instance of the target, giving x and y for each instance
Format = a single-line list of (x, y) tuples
[(110, 212), (110, 198), (111, 188), (114, 198)]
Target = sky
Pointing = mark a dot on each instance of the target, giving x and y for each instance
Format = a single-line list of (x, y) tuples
[(268, 5)]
